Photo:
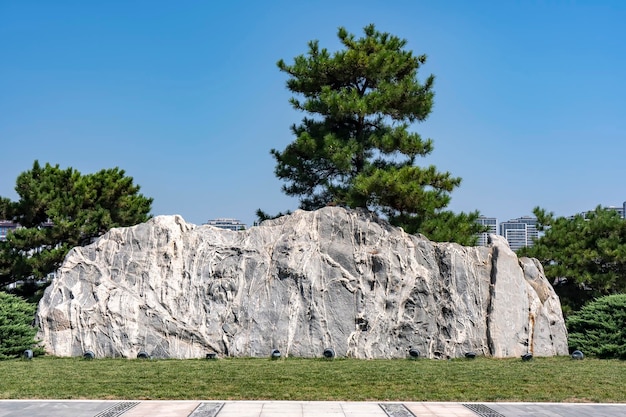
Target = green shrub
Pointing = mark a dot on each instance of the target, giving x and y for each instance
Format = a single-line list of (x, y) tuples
[(599, 328), (16, 330)]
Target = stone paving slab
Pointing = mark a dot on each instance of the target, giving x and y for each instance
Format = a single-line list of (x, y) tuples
[(48, 408), (428, 409), (559, 410), (162, 409), (99, 408), (300, 409)]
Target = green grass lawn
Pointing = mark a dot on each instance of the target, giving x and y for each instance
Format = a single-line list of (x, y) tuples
[(558, 379)]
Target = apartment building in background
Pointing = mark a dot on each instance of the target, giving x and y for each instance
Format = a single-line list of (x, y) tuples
[(621, 210), (492, 223), (228, 224), (5, 227), (520, 232)]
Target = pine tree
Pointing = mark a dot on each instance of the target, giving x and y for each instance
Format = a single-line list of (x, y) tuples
[(59, 209), (584, 255), (355, 148)]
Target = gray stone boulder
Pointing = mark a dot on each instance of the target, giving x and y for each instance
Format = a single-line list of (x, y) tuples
[(331, 278)]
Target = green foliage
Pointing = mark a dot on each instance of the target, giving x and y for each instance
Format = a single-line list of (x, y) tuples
[(16, 331), (355, 148), (59, 209), (599, 328), (262, 215), (585, 255), (6, 208)]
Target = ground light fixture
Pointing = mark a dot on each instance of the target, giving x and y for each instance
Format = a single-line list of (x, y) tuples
[(211, 355), (275, 354), (28, 354), (89, 355), (329, 353), (470, 355), (578, 355), (527, 356), (414, 353), (143, 355)]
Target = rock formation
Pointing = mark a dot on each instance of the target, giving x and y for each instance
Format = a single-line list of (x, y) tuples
[(331, 278)]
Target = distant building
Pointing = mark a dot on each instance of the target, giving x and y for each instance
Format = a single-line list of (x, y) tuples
[(620, 210), (228, 224), (520, 232), (492, 223), (5, 227)]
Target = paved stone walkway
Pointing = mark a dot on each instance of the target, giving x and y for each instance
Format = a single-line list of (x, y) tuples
[(96, 408)]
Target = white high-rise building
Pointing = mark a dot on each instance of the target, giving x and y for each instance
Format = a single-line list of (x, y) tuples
[(228, 224), (520, 232), (492, 222)]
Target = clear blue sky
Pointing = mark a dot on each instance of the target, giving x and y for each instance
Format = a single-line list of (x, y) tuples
[(530, 106)]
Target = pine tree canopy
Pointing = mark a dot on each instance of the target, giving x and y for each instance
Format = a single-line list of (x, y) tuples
[(59, 209), (355, 147), (584, 255)]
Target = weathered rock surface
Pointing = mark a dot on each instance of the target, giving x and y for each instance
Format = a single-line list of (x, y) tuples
[(302, 283)]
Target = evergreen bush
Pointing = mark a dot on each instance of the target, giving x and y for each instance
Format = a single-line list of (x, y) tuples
[(599, 328), (16, 330)]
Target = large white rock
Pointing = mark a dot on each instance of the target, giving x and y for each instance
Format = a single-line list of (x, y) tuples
[(301, 283)]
